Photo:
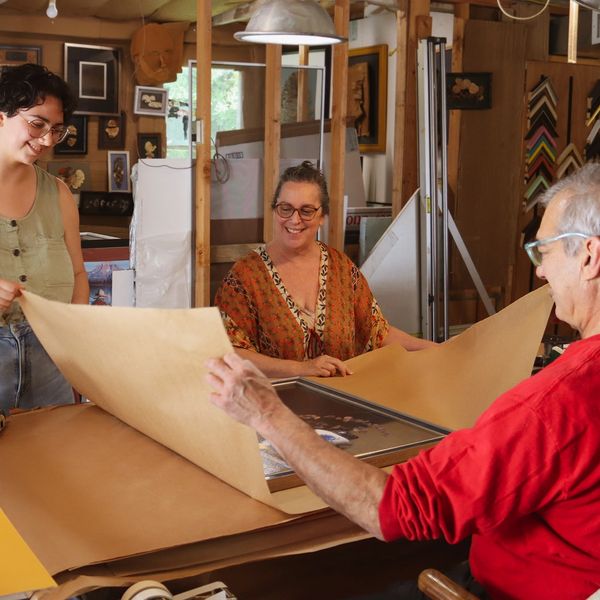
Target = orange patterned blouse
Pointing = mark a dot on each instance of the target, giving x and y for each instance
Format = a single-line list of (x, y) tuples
[(260, 315)]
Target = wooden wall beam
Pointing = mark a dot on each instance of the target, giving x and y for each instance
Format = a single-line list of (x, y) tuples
[(272, 134), (413, 24), (202, 200), (339, 97), (302, 101), (461, 15)]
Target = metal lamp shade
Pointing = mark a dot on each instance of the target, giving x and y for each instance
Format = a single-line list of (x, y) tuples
[(289, 22)]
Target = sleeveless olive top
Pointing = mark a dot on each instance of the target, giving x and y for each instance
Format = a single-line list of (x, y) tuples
[(33, 250)]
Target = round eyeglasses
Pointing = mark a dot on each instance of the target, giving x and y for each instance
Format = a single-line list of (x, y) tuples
[(38, 128), (306, 213)]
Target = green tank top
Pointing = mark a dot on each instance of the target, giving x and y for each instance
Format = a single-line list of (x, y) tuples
[(33, 250)]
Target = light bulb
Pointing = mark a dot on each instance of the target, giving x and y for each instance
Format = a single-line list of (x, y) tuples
[(51, 11)]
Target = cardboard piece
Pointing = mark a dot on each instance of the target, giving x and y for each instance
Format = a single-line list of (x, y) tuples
[(23, 572)]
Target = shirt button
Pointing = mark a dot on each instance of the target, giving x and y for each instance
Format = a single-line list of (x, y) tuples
[(16, 252), (13, 223), (23, 278)]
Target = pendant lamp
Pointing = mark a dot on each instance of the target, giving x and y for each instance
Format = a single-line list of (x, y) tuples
[(289, 22)]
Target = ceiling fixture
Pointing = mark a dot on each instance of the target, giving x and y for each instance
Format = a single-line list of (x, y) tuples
[(52, 11), (291, 23)]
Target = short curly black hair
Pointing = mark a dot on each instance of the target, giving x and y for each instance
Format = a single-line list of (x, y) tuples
[(305, 172), (28, 85)]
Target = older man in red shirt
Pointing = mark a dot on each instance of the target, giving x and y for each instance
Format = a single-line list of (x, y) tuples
[(524, 482)]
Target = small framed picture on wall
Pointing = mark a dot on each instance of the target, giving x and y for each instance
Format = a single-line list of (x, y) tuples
[(150, 101), (118, 172), (149, 145), (111, 132), (76, 140)]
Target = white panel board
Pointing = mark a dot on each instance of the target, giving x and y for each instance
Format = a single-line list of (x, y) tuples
[(162, 232), (392, 270)]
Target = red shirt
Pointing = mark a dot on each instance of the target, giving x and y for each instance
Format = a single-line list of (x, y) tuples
[(524, 482)]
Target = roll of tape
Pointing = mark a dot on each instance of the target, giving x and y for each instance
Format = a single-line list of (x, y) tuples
[(147, 590)]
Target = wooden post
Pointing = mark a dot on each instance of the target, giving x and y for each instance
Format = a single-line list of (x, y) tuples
[(414, 24), (272, 134), (202, 200), (302, 101), (338, 127), (461, 15)]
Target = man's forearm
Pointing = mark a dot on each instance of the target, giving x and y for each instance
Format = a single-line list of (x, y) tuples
[(351, 487)]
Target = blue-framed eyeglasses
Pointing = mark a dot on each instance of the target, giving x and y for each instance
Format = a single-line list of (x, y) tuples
[(533, 248)]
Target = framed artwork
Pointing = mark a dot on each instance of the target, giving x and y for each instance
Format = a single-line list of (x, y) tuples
[(468, 91), (149, 145), (76, 140), (75, 174), (93, 74), (106, 203), (150, 101), (367, 96), (118, 172), (111, 132), (100, 262), (13, 56)]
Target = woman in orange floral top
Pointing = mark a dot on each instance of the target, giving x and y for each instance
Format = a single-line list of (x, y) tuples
[(295, 306)]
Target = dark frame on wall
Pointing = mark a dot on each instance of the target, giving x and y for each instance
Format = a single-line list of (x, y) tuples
[(154, 150), (468, 91), (76, 141), (369, 97), (111, 132), (93, 74), (15, 55)]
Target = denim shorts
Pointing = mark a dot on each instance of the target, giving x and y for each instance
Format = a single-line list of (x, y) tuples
[(28, 377)]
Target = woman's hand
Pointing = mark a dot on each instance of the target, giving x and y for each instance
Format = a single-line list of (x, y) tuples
[(9, 290), (323, 366)]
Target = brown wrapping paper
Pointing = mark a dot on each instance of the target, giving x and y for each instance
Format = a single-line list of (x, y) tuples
[(451, 385), (84, 488)]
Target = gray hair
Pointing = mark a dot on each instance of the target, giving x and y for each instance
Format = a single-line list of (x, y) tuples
[(581, 212)]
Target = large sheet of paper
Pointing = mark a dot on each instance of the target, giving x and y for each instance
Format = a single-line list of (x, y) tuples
[(101, 491), (452, 384)]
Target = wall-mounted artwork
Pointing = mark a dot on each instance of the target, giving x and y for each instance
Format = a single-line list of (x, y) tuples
[(13, 56), (75, 174), (118, 172), (469, 91), (111, 132), (150, 101), (367, 96), (149, 145), (93, 74), (76, 140), (106, 203)]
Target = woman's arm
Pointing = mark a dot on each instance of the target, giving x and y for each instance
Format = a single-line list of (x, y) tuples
[(322, 366), (409, 342), (9, 290), (70, 216)]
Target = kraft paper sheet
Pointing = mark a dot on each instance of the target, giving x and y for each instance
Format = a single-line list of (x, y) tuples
[(452, 384), (101, 491)]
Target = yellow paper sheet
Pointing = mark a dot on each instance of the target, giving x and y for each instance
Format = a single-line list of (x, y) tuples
[(20, 569)]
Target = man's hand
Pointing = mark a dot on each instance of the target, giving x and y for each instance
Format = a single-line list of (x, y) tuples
[(241, 390)]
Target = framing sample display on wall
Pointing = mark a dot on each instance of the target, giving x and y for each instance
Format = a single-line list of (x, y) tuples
[(118, 172), (93, 74), (367, 96), (13, 56), (76, 140), (150, 101), (111, 132)]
